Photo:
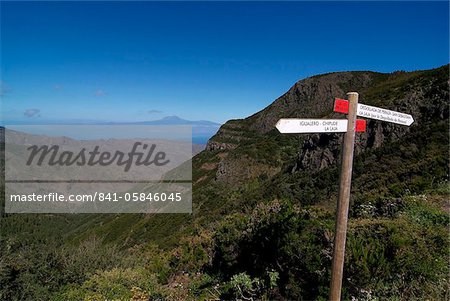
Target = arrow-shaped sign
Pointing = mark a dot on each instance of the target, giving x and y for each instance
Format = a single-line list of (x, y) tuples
[(341, 106), (384, 115), (295, 126)]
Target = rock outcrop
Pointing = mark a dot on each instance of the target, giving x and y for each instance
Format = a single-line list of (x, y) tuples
[(423, 94)]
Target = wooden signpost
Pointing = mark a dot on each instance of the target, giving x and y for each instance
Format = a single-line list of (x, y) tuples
[(348, 126)]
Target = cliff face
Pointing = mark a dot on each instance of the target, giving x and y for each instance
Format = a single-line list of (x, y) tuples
[(311, 97), (423, 94)]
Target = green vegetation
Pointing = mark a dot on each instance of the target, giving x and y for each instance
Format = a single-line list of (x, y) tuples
[(278, 250)]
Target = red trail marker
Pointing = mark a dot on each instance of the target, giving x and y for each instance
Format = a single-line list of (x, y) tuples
[(360, 125), (341, 106)]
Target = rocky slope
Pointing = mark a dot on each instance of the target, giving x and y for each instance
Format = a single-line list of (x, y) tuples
[(423, 94)]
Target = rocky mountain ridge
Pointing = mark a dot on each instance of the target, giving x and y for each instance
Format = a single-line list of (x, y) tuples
[(423, 94)]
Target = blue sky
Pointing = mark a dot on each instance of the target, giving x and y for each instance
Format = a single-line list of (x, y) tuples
[(118, 61)]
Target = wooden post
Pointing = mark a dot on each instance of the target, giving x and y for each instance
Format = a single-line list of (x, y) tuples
[(350, 106), (344, 199)]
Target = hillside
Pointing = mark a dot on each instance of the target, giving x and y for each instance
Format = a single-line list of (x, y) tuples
[(262, 226)]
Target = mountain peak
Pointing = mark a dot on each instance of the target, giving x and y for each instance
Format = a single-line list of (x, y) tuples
[(173, 118)]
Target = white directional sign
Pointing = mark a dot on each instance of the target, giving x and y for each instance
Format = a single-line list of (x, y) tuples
[(292, 126), (384, 115), (341, 106)]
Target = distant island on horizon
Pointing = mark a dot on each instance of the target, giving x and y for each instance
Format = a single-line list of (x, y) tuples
[(202, 130)]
